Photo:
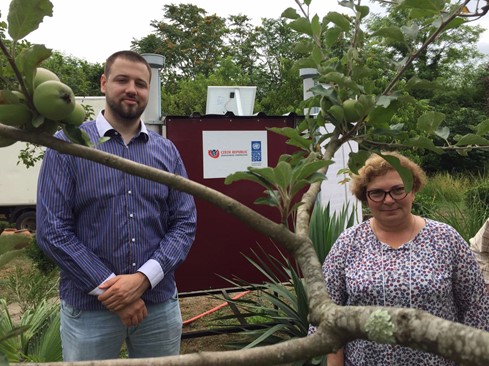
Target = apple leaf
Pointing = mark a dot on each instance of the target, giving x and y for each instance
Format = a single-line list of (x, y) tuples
[(25, 16), (472, 139), (290, 13), (357, 160), (77, 136), (29, 59), (405, 173)]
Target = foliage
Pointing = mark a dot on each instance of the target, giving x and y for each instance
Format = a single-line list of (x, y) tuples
[(478, 197), (28, 287), (453, 200), (358, 103), (41, 261), (11, 246), (282, 306), (39, 339), (82, 76), (4, 225), (203, 50), (282, 183), (326, 226)]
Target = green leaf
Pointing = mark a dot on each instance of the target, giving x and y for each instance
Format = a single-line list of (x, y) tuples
[(357, 160), (394, 33), (295, 139), (483, 127), (25, 16), (290, 13), (268, 201), (380, 116), (433, 5), (472, 139), (332, 35), (443, 132), (301, 25), (317, 55), (339, 19), (37, 121), (304, 46), (384, 101), (417, 83), (424, 143), (430, 121), (103, 139), (235, 177), (455, 23), (410, 31), (316, 26), (77, 135), (283, 174), (309, 169), (29, 59), (363, 10), (405, 173)]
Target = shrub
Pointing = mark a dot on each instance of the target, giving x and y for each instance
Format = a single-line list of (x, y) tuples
[(40, 259), (28, 287), (4, 225), (478, 196)]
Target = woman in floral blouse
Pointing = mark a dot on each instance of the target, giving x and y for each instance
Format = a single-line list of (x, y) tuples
[(399, 259)]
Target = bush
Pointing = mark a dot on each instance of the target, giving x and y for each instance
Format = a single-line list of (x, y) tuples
[(42, 262), (478, 197), (28, 287), (4, 225)]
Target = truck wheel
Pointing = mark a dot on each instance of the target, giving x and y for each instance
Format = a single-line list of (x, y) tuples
[(26, 220)]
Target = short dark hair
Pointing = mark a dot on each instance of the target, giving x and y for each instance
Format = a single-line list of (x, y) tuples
[(128, 55)]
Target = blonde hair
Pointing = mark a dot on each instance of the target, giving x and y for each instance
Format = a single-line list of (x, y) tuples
[(376, 166)]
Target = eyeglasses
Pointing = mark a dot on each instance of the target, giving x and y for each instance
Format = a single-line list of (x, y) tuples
[(396, 193)]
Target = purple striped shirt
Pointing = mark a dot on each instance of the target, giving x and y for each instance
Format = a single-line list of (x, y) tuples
[(94, 221)]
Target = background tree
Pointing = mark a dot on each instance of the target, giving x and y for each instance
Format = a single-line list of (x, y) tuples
[(352, 110), (82, 76)]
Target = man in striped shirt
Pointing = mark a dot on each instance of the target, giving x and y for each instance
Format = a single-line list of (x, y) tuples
[(117, 238)]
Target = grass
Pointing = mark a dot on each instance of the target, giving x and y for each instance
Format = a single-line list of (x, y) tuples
[(443, 199)]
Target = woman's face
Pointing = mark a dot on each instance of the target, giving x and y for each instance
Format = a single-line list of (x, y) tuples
[(389, 209)]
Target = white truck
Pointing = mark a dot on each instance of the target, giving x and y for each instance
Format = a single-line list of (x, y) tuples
[(18, 184)]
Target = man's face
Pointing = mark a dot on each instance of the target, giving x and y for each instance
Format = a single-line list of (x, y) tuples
[(126, 89)]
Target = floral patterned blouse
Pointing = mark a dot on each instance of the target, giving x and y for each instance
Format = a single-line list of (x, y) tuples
[(435, 272)]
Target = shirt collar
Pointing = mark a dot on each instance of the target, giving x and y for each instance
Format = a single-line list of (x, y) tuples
[(103, 126)]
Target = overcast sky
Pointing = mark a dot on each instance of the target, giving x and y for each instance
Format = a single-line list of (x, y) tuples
[(94, 29)]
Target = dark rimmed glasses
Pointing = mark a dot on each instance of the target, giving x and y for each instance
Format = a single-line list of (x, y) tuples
[(396, 193)]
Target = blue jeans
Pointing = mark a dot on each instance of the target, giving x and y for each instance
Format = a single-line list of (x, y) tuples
[(99, 335)]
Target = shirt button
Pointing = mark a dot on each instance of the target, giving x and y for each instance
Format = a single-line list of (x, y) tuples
[(131, 215), (133, 240), (134, 264), (129, 192)]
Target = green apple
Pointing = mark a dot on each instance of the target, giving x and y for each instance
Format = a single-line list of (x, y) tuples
[(77, 117), (54, 100), (15, 115), (43, 75)]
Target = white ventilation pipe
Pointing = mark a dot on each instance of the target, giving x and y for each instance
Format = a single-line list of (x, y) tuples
[(152, 114)]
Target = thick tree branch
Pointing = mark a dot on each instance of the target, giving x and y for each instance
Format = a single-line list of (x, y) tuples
[(277, 232)]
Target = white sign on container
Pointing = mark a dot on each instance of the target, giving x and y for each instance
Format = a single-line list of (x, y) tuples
[(227, 152)]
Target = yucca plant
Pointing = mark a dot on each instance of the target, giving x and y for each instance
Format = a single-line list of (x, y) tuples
[(35, 338), (281, 300), (326, 226)]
